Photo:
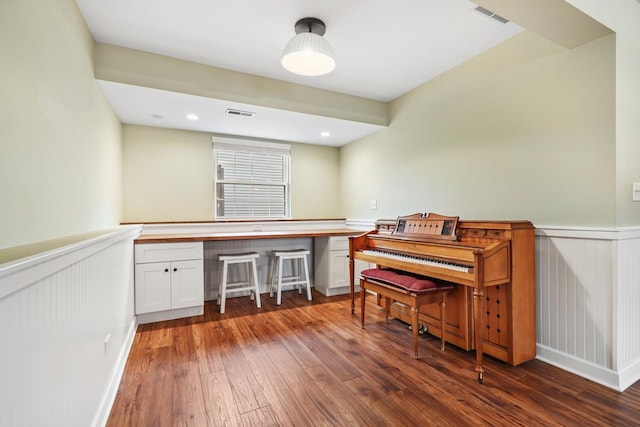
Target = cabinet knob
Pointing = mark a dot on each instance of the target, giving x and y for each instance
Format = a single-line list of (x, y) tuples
[(175, 268), (166, 269)]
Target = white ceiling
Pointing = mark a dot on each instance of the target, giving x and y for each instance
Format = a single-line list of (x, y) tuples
[(383, 49)]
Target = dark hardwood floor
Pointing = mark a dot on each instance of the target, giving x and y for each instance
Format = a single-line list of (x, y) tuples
[(310, 364)]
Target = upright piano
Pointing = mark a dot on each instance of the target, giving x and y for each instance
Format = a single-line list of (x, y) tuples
[(492, 264)]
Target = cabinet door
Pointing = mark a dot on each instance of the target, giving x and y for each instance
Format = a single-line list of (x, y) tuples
[(153, 287), (187, 284), (339, 269)]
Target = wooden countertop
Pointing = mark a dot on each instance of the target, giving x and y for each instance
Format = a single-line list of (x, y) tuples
[(245, 235)]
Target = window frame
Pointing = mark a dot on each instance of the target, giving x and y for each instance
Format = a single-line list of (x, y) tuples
[(252, 146)]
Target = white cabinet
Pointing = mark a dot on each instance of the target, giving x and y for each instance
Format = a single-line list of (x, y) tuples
[(169, 281), (153, 287), (332, 265)]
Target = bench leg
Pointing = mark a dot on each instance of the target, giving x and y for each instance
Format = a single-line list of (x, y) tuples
[(443, 321), (414, 318), (363, 293)]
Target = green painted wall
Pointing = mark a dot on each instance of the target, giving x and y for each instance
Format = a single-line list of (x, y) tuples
[(168, 176), (523, 131), (60, 142)]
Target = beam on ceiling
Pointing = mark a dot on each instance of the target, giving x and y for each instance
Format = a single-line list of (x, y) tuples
[(135, 67)]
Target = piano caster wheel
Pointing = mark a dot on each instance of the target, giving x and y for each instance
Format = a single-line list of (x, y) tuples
[(480, 379)]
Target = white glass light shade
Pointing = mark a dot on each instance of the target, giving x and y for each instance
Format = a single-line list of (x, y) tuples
[(308, 54)]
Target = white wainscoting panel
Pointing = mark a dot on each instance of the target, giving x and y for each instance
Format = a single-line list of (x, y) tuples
[(67, 326), (575, 298), (588, 299), (627, 316)]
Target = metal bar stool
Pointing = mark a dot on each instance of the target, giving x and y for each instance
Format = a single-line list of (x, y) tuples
[(251, 284), (299, 272)]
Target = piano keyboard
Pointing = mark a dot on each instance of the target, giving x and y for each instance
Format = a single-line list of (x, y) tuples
[(418, 260)]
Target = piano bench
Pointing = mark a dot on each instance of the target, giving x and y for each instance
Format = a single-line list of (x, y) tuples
[(411, 290)]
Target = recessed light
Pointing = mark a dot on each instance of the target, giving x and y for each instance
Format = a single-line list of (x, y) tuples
[(192, 117), (325, 134)]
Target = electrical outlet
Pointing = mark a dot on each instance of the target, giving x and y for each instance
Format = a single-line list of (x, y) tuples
[(635, 196), (373, 204)]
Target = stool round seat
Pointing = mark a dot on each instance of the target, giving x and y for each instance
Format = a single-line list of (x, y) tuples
[(251, 276), (299, 272)]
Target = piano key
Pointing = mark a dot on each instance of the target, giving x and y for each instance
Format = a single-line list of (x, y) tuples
[(417, 260)]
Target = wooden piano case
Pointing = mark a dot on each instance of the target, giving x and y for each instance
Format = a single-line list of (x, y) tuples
[(509, 318)]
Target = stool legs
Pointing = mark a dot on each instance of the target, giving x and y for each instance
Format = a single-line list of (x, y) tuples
[(254, 278), (273, 263), (279, 283), (306, 272), (299, 273), (222, 292), (251, 284)]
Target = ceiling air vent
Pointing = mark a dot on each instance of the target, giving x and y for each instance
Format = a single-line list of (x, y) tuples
[(491, 15), (232, 112)]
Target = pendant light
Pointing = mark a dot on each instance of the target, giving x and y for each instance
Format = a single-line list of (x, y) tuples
[(308, 53)]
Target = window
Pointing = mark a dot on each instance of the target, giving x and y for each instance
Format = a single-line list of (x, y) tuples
[(252, 179)]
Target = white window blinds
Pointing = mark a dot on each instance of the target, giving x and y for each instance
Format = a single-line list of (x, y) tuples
[(252, 179)]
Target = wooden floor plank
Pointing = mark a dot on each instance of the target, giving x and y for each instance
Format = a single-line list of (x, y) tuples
[(146, 409), (206, 347), (385, 407), (247, 392), (219, 401), (317, 406), (261, 417), (282, 402), (184, 343), (188, 400), (321, 339), (351, 411)]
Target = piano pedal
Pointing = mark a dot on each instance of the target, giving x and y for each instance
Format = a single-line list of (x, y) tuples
[(422, 329)]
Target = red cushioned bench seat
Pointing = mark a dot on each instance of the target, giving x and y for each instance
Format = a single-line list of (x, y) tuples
[(409, 289)]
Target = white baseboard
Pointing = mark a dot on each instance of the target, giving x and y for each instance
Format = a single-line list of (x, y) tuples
[(579, 367)]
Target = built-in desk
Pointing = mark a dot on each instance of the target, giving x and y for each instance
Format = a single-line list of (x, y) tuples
[(177, 272), (245, 235)]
